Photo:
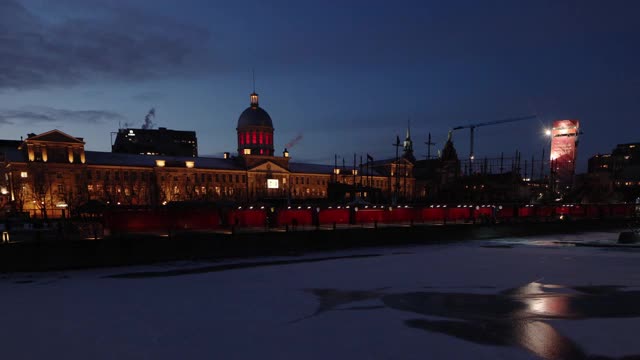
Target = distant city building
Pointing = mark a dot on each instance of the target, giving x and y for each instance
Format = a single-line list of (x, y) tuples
[(619, 170), (161, 141), (622, 158), (563, 155)]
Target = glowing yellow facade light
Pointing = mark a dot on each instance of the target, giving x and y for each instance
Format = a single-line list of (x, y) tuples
[(160, 163)]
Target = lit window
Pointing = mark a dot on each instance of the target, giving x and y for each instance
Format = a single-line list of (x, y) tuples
[(23, 174), (247, 151)]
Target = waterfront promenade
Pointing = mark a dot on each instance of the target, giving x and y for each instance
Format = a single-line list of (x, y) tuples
[(51, 252)]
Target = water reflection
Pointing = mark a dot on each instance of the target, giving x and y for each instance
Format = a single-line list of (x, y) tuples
[(515, 317)]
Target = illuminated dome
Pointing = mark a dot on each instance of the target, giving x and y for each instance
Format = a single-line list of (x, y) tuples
[(255, 130), (254, 116)]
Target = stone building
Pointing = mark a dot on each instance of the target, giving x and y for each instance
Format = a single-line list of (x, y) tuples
[(51, 174)]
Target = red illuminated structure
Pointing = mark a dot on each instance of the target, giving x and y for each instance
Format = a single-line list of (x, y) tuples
[(564, 143), (255, 130)]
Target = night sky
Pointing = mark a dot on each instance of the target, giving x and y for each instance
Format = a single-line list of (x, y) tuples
[(345, 76)]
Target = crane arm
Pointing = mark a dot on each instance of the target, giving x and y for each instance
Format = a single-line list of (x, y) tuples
[(472, 127), (494, 122)]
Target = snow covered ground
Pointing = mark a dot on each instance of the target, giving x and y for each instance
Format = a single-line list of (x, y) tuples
[(523, 298)]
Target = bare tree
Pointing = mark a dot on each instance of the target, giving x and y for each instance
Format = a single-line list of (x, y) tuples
[(19, 188), (40, 187)]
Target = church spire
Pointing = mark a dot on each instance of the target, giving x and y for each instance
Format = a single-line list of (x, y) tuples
[(408, 144), (408, 130)]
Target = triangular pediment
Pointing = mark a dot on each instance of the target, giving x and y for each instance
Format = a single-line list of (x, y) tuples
[(55, 136), (405, 161), (269, 166)]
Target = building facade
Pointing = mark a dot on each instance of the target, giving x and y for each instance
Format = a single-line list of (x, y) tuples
[(52, 175)]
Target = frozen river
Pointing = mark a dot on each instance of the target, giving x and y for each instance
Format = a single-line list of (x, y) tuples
[(524, 298)]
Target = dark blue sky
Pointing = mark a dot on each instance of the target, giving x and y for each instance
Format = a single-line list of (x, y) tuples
[(345, 75)]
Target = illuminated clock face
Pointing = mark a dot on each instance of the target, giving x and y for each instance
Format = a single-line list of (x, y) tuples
[(272, 183)]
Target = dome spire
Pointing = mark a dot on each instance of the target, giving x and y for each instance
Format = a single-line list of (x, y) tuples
[(254, 96), (255, 128), (254, 100)]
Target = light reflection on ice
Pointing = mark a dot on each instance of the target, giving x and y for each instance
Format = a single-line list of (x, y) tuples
[(562, 240)]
